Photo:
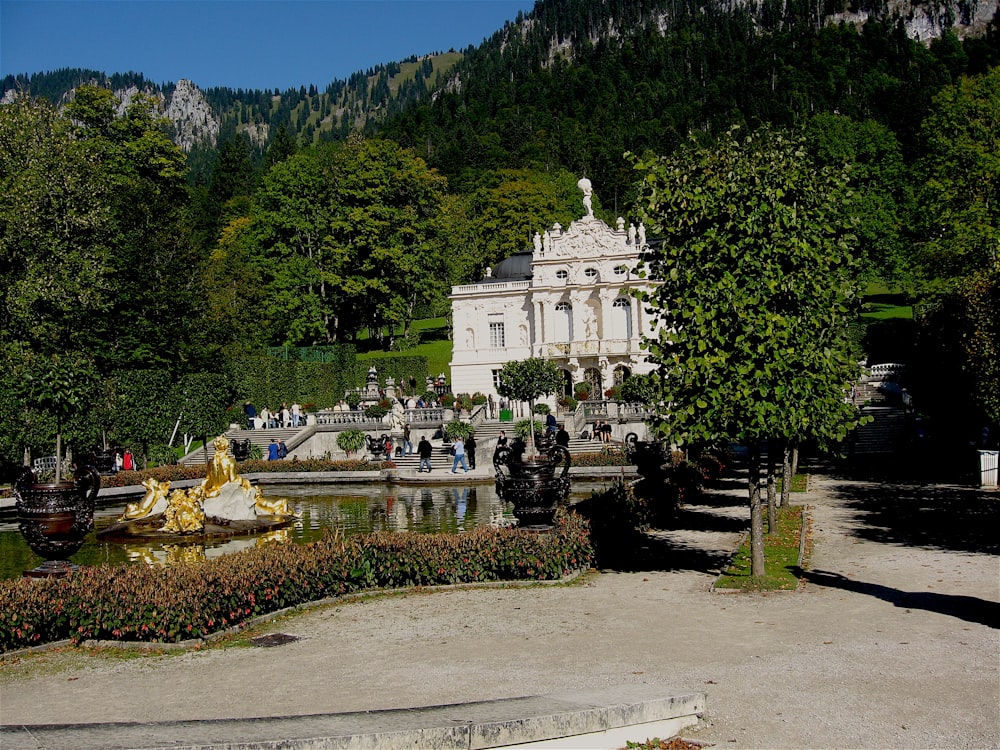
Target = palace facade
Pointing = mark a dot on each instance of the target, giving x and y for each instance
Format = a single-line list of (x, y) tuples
[(568, 301)]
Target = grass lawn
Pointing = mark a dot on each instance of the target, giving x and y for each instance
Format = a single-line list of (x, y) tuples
[(781, 557), (434, 345)]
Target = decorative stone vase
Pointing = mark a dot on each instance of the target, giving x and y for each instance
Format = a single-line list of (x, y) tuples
[(54, 517), (535, 487)]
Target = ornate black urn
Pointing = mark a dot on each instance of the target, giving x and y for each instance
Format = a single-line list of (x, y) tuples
[(54, 517), (647, 456), (534, 486), (241, 449)]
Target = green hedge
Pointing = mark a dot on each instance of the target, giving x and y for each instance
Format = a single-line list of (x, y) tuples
[(177, 472), (170, 604)]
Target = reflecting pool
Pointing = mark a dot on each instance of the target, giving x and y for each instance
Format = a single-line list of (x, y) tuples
[(347, 508)]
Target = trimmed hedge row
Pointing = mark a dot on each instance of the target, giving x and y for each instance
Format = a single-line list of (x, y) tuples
[(176, 472), (140, 603)]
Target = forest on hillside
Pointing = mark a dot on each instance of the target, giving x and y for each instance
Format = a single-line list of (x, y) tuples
[(149, 265)]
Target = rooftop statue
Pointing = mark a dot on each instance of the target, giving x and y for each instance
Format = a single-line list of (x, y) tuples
[(588, 191)]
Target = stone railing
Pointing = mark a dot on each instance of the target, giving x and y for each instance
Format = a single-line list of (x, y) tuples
[(884, 370)]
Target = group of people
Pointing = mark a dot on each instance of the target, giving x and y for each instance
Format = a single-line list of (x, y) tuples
[(286, 416), (276, 450), (602, 431)]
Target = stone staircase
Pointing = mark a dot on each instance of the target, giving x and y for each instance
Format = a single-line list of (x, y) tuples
[(885, 435)]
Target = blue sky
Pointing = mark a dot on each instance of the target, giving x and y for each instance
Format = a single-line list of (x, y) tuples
[(261, 44)]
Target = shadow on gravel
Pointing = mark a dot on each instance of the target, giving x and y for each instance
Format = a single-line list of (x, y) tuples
[(967, 608), (644, 552), (961, 519)]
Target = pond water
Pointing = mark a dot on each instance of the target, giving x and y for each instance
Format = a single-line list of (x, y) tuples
[(349, 508)]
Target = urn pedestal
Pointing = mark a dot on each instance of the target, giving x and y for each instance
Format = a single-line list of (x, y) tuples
[(54, 517), (535, 487)]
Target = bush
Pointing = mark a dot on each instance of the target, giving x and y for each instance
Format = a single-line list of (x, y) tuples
[(524, 426), (448, 400), (582, 391), (139, 603), (478, 398), (542, 409), (350, 441), (456, 428)]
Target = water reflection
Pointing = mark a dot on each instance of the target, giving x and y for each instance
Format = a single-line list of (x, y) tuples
[(349, 509)]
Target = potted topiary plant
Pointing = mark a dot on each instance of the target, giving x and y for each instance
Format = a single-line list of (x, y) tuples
[(56, 513)]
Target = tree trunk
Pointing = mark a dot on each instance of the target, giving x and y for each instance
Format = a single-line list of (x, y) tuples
[(772, 504), (786, 475), (795, 460), (756, 517)]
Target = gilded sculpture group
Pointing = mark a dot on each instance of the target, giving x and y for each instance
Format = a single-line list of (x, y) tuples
[(223, 492)]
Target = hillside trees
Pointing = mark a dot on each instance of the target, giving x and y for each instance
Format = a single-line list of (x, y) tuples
[(756, 285), (147, 308), (343, 239)]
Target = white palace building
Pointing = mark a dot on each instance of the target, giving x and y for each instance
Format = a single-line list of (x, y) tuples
[(567, 301)]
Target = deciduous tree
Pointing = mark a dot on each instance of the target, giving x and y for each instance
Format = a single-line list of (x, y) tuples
[(756, 276)]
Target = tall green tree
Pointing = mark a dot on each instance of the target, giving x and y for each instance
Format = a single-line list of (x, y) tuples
[(346, 240), (755, 284), (153, 300), (958, 216), (56, 238)]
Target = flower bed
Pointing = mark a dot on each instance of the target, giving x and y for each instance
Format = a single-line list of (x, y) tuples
[(140, 603)]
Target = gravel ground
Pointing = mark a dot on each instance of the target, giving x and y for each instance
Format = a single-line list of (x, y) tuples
[(893, 642)]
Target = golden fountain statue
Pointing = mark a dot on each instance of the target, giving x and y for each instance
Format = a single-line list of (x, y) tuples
[(224, 504)]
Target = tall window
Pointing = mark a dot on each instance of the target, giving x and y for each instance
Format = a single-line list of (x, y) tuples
[(621, 319), (562, 325), (497, 337), (496, 379)]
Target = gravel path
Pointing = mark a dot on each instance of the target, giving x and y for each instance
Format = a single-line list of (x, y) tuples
[(893, 642)]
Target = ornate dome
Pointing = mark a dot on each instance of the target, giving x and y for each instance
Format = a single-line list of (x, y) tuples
[(515, 268)]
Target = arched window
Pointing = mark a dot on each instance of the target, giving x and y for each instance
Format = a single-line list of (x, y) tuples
[(620, 374), (562, 324), (593, 376), (621, 319)]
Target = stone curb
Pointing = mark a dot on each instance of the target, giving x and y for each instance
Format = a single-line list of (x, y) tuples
[(594, 719)]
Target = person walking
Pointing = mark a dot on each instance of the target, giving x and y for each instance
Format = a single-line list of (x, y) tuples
[(296, 414), (470, 451), (251, 413), (424, 451), (128, 461), (407, 443), (458, 451)]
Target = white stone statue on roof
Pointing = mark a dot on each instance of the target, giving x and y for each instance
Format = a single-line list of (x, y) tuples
[(588, 191)]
